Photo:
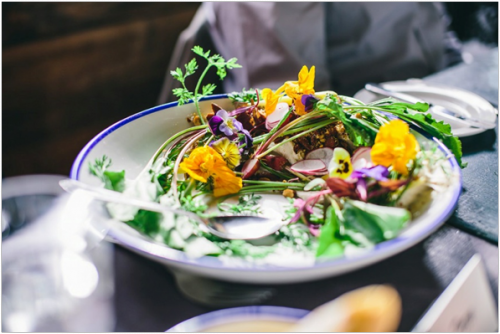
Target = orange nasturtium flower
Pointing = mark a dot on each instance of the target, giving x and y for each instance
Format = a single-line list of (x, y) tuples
[(226, 183), (395, 146), (305, 85), (272, 98), (205, 162)]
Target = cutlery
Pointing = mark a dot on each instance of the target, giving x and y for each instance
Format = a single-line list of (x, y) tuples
[(433, 108), (242, 227)]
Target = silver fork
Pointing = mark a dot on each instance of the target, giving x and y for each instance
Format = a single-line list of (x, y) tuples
[(214, 293)]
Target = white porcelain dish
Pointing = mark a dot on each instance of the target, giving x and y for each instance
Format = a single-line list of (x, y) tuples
[(238, 319), (130, 144), (458, 100)]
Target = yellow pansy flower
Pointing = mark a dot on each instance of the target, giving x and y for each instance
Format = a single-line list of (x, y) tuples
[(305, 85), (395, 146), (228, 150), (340, 166)]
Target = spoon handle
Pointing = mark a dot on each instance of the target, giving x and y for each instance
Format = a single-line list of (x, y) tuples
[(107, 195)]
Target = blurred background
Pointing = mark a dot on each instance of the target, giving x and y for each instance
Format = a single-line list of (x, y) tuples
[(72, 69)]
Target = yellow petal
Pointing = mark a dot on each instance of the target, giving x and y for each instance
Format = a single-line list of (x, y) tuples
[(340, 166)]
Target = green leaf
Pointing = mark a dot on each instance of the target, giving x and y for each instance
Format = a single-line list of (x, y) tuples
[(191, 67), (231, 63), (208, 89), (377, 223), (221, 72), (146, 222), (114, 180), (198, 50), (329, 246)]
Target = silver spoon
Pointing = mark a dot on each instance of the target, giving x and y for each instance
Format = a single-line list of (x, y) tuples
[(226, 227)]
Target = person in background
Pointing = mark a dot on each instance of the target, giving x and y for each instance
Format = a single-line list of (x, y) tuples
[(350, 43)]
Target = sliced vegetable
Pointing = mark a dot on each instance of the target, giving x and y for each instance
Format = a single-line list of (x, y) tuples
[(324, 154), (310, 167)]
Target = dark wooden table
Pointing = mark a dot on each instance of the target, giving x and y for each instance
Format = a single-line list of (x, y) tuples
[(146, 298)]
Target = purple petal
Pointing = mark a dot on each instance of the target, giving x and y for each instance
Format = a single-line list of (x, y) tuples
[(225, 129), (308, 100), (222, 114), (248, 138), (378, 173), (237, 124), (240, 111), (362, 189), (214, 123)]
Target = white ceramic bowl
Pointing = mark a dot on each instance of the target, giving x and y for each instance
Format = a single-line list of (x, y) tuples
[(130, 144), (243, 319)]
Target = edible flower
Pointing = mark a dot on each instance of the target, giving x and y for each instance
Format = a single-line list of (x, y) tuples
[(271, 98), (221, 123), (204, 162), (309, 100), (228, 150), (395, 146), (340, 165), (365, 183), (226, 183), (305, 85)]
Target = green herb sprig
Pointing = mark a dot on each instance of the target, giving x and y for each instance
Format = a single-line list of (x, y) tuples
[(216, 61)]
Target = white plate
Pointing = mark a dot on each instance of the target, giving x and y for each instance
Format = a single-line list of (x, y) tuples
[(461, 101), (131, 142)]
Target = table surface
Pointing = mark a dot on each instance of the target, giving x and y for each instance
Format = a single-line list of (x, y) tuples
[(146, 298)]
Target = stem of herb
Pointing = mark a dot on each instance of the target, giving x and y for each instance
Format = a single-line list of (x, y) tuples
[(196, 102)]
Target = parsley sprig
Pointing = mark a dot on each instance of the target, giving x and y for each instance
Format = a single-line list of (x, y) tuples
[(216, 61)]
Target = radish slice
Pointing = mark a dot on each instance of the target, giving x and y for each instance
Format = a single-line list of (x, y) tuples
[(249, 168), (310, 167), (324, 154), (361, 158), (276, 116)]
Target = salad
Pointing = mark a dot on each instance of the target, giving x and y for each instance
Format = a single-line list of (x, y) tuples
[(343, 175)]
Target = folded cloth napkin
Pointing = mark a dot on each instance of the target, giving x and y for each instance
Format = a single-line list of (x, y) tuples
[(477, 210)]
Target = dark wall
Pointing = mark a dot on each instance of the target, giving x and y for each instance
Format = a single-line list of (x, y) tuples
[(474, 20), (72, 69)]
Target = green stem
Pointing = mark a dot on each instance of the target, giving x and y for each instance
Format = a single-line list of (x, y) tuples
[(275, 183), (174, 137), (196, 102)]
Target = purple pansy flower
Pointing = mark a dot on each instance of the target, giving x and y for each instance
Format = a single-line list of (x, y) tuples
[(222, 124), (308, 100)]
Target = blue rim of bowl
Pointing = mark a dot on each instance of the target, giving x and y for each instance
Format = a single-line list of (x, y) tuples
[(379, 251), (206, 320)]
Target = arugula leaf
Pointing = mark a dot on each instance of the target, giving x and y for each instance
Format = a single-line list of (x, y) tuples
[(147, 222), (329, 246), (377, 223)]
